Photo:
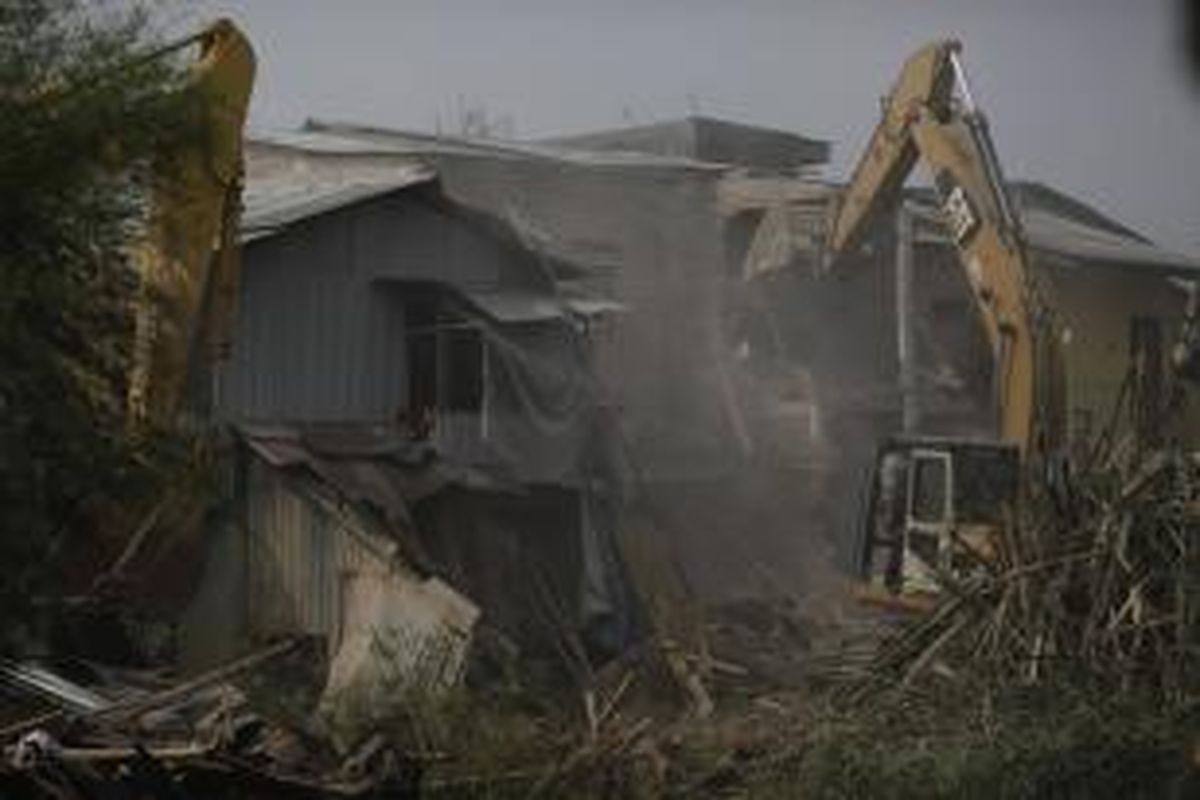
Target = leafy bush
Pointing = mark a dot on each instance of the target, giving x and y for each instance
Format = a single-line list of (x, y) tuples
[(1048, 743), (84, 117)]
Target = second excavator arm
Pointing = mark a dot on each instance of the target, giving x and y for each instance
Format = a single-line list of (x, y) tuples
[(929, 116), (187, 259)]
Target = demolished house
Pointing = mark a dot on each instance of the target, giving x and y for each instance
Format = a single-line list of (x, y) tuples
[(641, 230), (416, 429), (892, 342), (493, 379), (540, 374)]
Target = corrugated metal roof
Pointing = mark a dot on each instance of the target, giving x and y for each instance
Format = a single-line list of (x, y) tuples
[(1058, 224), (792, 227), (35, 679), (1054, 223), (274, 202), (707, 139), (334, 137), (325, 143), (1032, 194), (1055, 234), (1064, 237)]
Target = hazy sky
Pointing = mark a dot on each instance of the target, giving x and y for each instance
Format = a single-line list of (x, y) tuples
[(1090, 96)]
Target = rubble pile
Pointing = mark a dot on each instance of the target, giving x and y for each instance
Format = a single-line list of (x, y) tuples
[(1091, 596), (134, 734), (1068, 661)]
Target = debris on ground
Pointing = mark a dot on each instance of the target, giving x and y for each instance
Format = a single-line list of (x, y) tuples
[(138, 735), (1076, 648), (1098, 584)]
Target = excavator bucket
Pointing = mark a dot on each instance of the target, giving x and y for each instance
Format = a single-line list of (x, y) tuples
[(187, 260)]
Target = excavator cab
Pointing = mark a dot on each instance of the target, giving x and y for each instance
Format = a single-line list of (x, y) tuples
[(934, 508)]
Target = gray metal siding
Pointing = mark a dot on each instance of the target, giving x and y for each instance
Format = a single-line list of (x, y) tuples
[(319, 334), (311, 569), (299, 558), (397, 239), (302, 317), (662, 362)]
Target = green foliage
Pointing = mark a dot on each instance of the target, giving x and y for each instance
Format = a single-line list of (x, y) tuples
[(86, 120), (1068, 670), (1022, 744)]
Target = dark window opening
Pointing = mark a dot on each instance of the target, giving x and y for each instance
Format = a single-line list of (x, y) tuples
[(461, 388), (422, 371), (929, 490), (1146, 353), (1083, 427), (985, 482), (925, 546), (445, 356)]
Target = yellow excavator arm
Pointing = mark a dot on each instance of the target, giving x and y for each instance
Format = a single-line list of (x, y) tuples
[(891, 154), (187, 258), (929, 116)]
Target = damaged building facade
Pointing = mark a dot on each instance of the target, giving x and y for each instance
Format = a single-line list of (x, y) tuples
[(507, 360), (415, 421), (892, 342), (540, 372)]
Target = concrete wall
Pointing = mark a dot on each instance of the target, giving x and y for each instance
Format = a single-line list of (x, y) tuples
[(1098, 306), (712, 140), (656, 229)]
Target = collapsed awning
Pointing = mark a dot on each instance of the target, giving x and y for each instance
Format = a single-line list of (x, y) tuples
[(514, 306)]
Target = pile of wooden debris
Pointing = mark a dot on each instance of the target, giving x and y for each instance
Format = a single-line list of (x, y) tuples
[(1095, 590), (132, 734), (1098, 584)]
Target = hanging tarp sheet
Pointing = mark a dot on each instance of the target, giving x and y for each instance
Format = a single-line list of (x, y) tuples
[(542, 398)]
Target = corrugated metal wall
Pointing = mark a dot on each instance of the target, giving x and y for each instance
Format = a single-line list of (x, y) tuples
[(303, 319), (312, 569), (319, 336), (299, 559)]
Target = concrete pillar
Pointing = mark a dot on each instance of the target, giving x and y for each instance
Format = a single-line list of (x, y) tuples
[(905, 340)]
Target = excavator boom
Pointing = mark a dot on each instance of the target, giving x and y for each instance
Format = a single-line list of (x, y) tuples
[(924, 82), (930, 117), (937, 503), (187, 259)]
